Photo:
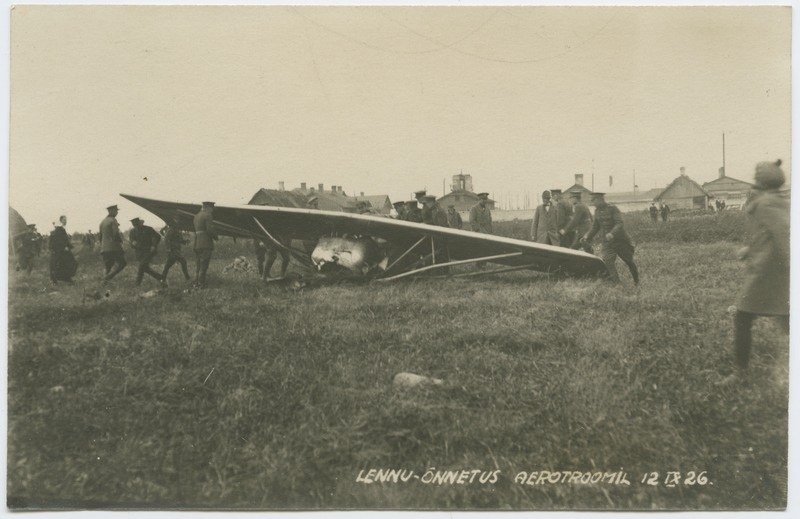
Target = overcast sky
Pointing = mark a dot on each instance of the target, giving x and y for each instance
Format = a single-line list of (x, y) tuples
[(195, 103)]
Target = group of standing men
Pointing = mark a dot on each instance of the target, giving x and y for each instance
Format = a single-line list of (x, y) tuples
[(431, 213), (570, 224), (144, 240), (655, 211)]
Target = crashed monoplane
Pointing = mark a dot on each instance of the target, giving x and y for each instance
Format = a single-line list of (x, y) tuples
[(375, 247)]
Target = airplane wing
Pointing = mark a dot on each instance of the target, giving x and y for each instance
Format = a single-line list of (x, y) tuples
[(405, 239)]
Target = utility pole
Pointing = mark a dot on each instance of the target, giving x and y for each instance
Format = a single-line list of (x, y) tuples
[(634, 180), (724, 173)]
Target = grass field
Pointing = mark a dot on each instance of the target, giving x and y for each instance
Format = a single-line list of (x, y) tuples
[(257, 396)]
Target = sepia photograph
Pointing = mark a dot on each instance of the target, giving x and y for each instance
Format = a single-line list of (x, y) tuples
[(398, 258)]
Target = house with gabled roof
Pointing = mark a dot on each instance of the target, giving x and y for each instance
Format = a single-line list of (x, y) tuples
[(684, 193), (730, 190)]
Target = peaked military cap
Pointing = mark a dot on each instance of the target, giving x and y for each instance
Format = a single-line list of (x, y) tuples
[(555, 191), (483, 195), (596, 194), (421, 192), (208, 204), (429, 198), (112, 207), (137, 219), (397, 204)]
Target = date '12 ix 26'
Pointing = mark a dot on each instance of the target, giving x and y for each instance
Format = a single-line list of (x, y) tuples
[(674, 478)]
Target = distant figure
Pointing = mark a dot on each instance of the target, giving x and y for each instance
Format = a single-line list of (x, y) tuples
[(653, 212), (664, 211), (579, 224), (313, 203), (436, 214), (563, 212), (413, 213), (765, 291), (400, 209), (616, 242), (454, 218), (173, 241), (144, 241), (544, 229), (62, 263), (111, 244), (480, 216), (88, 240), (204, 238)]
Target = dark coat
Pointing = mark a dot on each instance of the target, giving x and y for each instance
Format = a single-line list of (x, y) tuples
[(480, 219), (608, 220), (204, 234), (766, 282)]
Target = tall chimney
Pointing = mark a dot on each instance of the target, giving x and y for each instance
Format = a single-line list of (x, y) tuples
[(333, 189), (721, 172), (303, 186), (321, 188), (683, 171), (281, 186), (579, 179)]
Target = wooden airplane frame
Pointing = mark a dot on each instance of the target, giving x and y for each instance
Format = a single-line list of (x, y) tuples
[(414, 248)]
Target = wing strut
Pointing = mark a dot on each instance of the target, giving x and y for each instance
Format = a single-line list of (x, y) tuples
[(406, 253), (450, 263), (299, 257)]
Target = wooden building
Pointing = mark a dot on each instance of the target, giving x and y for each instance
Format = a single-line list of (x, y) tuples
[(684, 193), (730, 190)]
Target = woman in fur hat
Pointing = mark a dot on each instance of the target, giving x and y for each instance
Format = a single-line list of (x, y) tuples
[(766, 285)]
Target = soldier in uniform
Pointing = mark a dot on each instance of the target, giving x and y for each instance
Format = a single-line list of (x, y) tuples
[(579, 224), (480, 216), (437, 216), (664, 211), (425, 212), (544, 229), (144, 241), (204, 238), (453, 218), (400, 208), (413, 213), (111, 244), (616, 242), (173, 240)]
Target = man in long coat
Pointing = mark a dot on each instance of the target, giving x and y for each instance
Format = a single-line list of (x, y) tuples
[(111, 244), (204, 238), (765, 291), (480, 216), (544, 229), (453, 218)]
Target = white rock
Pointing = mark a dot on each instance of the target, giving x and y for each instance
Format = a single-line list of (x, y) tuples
[(412, 380)]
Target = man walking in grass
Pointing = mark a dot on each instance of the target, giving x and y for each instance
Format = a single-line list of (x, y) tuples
[(144, 240), (480, 216), (616, 242), (173, 240)]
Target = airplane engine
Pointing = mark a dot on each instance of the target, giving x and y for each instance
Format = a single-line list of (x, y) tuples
[(358, 255)]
